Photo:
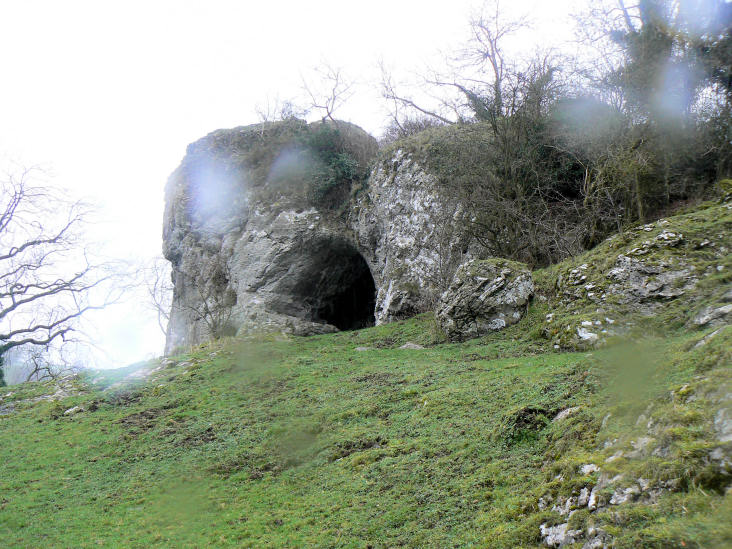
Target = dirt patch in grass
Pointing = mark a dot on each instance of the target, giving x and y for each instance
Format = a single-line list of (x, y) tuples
[(345, 449), (124, 398), (141, 421), (255, 464), (199, 438)]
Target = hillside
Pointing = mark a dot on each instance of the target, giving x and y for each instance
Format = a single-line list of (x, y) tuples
[(539, 434)]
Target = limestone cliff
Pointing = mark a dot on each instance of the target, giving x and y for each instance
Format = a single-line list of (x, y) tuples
[(413, 237), (302, 228)]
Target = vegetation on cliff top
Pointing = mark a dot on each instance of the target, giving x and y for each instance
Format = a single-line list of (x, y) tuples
[(552, 153), (290, 162)]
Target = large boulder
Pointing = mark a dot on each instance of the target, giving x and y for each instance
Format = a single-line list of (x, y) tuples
[(485, 295), (255, 232), (411, 233), (307, 228)]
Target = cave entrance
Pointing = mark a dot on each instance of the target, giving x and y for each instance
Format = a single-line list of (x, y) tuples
[(337, 287)]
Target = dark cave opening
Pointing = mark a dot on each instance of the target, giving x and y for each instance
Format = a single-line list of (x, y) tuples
[(338, 288), (352, 306)]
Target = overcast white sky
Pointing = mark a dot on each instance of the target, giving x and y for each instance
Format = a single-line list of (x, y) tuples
[(107, 94)]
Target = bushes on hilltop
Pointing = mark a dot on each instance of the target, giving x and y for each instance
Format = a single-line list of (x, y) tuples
[(552, 156)]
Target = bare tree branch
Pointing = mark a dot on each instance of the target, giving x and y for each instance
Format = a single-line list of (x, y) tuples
[(47, 279), (331, 91), (159, 286)]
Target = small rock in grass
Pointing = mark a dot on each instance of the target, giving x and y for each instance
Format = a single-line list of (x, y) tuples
[(410, 345), (594, 501), (566, 413), (621, 495), (723, 425), (589, 469), (74, 410), (584, 497), (586, 335), (556, 536)]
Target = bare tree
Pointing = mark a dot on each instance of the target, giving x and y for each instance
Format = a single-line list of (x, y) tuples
[(479, 82), (159, 288), (486, 51), (273, 109), (47, 278), (403, 106), (213, 300), (42, 365), (330, 91)]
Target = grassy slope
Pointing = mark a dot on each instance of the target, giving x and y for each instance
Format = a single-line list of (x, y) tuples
[(306, 442)]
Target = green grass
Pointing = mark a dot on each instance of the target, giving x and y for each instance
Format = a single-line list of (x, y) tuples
[(307, 442), (276, 441)]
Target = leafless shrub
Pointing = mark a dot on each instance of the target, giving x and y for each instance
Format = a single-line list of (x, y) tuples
[(329, 90), (48, 276), (214, 299)]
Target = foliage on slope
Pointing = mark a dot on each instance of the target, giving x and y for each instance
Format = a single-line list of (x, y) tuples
[(347, 440), (658, 277)]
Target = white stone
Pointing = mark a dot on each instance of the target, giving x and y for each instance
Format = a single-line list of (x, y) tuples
[(74, 410), (589, 468), (723, 425), (584, 497), (566, 413), (556, 536), (586, 335)]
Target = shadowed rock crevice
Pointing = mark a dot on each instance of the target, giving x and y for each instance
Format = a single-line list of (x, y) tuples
[(337, 288)]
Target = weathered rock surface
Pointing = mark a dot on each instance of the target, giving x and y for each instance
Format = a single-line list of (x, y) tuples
[(412, 236), (640, 273), (712, 316), (251, 252), (484, 296), (559, 535), (248, 248)]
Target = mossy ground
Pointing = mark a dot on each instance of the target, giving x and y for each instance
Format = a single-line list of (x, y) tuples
[(704, 250), (277, 441)]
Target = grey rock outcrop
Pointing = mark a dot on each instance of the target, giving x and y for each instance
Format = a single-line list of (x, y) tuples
[(484, 296), (251, 248), (714, 316), (413, 237), (559, 535)]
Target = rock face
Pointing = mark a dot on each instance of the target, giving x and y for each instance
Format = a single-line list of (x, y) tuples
[(640, 273), (413, 237), (254, 238), (263, 233), (485, 296)]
